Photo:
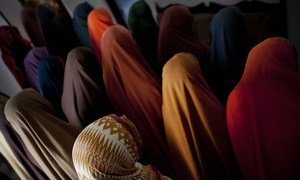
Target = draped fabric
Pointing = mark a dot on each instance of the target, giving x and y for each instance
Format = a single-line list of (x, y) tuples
[(110, 148), (31, 63), (45, 74), (80, 15), (135, 91), (14, 49), (8, 83), (58, 5), (14, 150), (176, 35), (31, 25), (55, 5), (84, 99), (98, 21), (57, 30), (51, 76), (231, 42), (15, 43), (195, 123), (263, 113), (145, 31), (48, 139)]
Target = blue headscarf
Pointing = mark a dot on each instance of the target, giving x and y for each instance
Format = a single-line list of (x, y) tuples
[(51, 75), (80, 15), (231, 42)]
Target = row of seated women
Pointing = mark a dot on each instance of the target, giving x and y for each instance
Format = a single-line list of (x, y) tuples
[(150, 103)]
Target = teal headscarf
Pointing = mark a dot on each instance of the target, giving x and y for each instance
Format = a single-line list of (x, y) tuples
[(145, 31)]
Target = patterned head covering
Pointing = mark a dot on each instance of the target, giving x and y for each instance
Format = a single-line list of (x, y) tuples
[(109, 148)]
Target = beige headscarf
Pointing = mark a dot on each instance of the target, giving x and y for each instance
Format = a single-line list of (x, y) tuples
[(109, 148), (48, 139)]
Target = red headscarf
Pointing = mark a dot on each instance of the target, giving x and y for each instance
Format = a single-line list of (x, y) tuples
[(98, 21), (135, 91), (176, 35), (263, 113)]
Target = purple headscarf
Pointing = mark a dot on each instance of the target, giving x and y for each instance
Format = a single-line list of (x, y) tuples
[(31, 62)]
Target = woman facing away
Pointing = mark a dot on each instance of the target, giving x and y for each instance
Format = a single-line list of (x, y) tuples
[(263, 113)]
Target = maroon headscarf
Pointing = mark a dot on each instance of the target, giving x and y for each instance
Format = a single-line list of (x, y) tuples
[(176, 35), (135, 91), (14, 49)]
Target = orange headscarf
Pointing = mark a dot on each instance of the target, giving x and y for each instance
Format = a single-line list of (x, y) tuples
[(263, 113), (135, 91), (98, 21), (194, 123)]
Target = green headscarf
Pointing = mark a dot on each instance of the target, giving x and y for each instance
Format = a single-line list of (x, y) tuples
[(145, 31)]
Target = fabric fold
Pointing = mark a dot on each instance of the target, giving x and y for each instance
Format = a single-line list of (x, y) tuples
[(48, 139), (14, 150)]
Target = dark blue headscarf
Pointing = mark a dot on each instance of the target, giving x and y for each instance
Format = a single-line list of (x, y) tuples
[(80, 15), (51, 75), (231, 42), (57, 30)]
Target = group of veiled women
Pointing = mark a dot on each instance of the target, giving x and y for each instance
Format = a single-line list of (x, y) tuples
[(152, 102)]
